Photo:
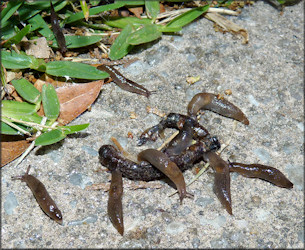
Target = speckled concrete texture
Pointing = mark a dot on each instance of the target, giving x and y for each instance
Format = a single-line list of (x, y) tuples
[(266, 79)]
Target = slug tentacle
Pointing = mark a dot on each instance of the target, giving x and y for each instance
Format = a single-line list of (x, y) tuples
[(208, 101), (115, 208), (263, 172)]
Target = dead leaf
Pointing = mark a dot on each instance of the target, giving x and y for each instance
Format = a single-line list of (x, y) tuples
[(75, 99), (137, 11), (11, 148)]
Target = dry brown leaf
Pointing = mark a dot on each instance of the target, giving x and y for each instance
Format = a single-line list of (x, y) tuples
[(75, 99), (11, 148), (137, 11)]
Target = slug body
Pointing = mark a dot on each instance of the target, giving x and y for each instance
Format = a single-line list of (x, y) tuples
[(162, 162), (221, 179), (115, 209), (123, 82), (263, 172), (208, 101), (60, 38), (42, 196)]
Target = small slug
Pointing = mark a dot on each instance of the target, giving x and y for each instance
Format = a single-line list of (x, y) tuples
[(60, 38), (42, 196), (115, 210), (208, 101), (221, 179), (266, 173), (162, 162), (123, 82)]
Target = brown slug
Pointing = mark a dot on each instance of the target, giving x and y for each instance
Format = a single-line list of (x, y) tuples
[(266, 173), (59, 35), (208, 101), (115, 210), (123, 82), (162, 162), (42, 196), (221, 179)]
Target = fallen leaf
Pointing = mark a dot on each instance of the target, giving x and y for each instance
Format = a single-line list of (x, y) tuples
[(137, 11), (11, 148), (75, 99)]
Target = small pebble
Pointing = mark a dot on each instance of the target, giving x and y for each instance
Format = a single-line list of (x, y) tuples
[(80, 180), (204, 201), (167, 217), (89, 219), (90, 150), (218, 222), (10, 203), (256, 200), (175, 228), (253, 101)]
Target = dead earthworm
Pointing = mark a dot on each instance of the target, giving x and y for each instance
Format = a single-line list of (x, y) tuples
[(162, 162), (263, 172), (60, 38), (42, 196), (123, 82), (221, 179), (208, 101), (115, 209), (111, 158)]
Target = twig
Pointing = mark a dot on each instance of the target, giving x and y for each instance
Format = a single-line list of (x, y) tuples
[(28, 150), (168, 140), (15, 126)]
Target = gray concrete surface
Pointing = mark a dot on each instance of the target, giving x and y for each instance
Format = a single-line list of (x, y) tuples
[(266, 79)]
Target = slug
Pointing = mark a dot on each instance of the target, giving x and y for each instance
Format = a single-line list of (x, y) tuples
[(266, 173), (60, 38), (208, 101), (180, 142), (115, 210), (166, 166), (42, 196), (123, 82), (221, 179)]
